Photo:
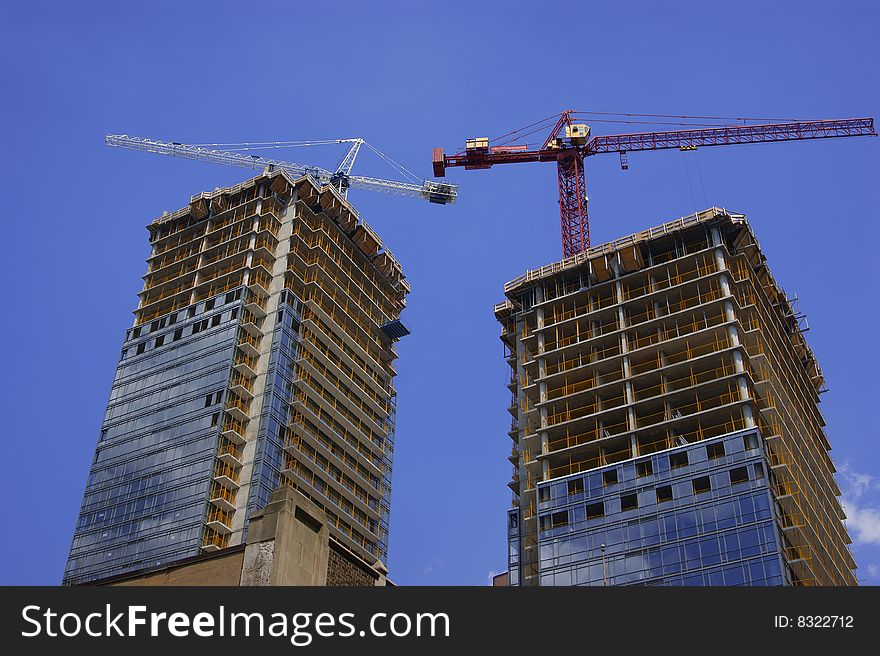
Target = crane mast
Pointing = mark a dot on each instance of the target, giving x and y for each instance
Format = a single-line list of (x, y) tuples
[(569, 143)]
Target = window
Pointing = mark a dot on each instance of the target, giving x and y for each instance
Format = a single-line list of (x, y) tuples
[(160, 340), (215, 418), (196, 327), (280, 316), (215, 320), (759, 471), (141, 348), (702, 484), (544, 494), (556, 519), (124, 353), (575, 486), (739, 475), (750, 440), (644, 468), (230, 296), (560, 518), (629, 501), (208, 400), (609, 477), (177, 334), (191, 312), (595, 510), (172, 319), (234, 313), (209, 305), (664, 493), (136, 333), (715, 451), (677, 460), (161, 323)]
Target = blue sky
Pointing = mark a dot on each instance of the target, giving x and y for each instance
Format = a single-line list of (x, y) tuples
[(407, 77)]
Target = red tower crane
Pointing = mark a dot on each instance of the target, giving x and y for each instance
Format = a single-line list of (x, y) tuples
[(569, 143)]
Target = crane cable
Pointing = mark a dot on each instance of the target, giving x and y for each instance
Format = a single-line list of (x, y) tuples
[(244, 146), (742, 119), (631, 118), (397, 166), (262, 145)]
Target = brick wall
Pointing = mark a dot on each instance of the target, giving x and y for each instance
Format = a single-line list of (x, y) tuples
[(345, 570)]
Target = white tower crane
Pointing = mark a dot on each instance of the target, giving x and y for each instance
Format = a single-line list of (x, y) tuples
[(236, 155)]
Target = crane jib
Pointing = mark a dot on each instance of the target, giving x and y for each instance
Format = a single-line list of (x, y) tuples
[(435, 192), (568, 143)]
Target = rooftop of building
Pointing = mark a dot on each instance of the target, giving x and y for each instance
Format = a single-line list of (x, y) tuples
[(319, 198), (735, 224), (704, 216)]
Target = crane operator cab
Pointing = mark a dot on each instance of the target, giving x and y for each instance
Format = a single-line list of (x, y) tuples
[(577, 133)]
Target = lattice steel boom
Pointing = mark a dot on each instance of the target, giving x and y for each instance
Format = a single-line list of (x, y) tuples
[(569, 143), (435, 192)]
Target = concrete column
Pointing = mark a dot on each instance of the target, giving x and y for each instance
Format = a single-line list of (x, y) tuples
[(733, 334), (621, 325), (724, 282), (542, 386), (202, 246), (729, 314), (664, 386), (719, 252), (276, 284), (748, 416), (657, 306), (288, 542), (253, 240), (743, 386), (539, 318)]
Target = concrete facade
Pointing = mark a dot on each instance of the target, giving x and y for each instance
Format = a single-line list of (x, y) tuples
[(289, 544)]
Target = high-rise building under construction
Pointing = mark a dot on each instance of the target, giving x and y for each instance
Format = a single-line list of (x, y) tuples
[(261, 355), (666, 428)]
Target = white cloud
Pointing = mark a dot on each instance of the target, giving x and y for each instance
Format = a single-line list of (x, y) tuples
[(855, 483), (863, 522), (435, 564), (873, 570)]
